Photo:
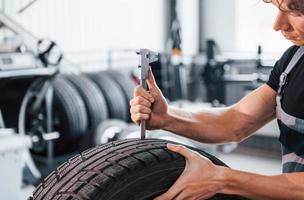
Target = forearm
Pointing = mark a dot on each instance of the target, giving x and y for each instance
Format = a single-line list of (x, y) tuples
[(218, 125), (253, 186)]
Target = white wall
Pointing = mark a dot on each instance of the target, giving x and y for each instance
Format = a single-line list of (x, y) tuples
[(219, 22), (241, 25), (95, 26), (188, 12), (254, 26)]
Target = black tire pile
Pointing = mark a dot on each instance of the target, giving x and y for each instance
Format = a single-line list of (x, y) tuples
[(82, 102)]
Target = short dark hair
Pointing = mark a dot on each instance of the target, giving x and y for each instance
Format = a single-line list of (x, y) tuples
[(295, 5)]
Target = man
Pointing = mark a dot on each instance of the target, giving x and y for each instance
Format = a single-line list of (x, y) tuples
[(281, 97)]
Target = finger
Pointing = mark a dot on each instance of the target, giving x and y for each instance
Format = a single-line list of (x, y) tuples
[(140, 109), (172, 193), (140, 101), (182, 196), (151, 80), (166, 196), (136, 122), (138, 117), (187, 194), (187, 153), (139, 91)]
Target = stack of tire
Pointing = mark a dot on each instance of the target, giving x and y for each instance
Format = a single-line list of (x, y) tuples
[(83, 101)]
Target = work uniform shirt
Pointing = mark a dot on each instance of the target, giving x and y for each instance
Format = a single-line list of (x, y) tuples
[(292, 102)]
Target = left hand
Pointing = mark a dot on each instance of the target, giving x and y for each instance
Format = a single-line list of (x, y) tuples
[(201, 179)]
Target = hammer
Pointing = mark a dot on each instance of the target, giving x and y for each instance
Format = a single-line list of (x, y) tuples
[(146, 57)]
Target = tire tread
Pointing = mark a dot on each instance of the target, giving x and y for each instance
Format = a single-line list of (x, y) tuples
[(85, 175)]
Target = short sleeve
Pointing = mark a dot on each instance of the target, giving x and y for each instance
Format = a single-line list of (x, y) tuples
[(274, 77), (280, 65)]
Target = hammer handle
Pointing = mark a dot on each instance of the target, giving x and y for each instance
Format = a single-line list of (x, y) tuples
[(143, 83)]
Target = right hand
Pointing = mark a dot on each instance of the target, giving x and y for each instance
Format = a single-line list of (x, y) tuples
[(149, 105)]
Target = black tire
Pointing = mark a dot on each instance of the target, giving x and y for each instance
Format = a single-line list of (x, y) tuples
[(124, 170), (94, 100), (126, 84), (70, 112), (108, 131), (113, 94)]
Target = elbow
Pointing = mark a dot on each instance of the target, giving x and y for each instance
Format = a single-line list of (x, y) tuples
[(237, 135), (237, 138), (235, 126), (240, 129)]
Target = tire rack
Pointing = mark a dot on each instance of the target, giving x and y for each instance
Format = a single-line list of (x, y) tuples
[(31, 42)]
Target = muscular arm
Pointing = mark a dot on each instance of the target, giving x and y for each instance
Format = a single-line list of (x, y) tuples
[(225, 124), (215, 126), (285, 186), (201, 179)]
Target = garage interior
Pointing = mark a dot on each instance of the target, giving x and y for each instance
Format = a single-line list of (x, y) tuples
[(68, 70)]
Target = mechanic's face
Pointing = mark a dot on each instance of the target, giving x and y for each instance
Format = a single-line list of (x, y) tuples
[(289, 22)]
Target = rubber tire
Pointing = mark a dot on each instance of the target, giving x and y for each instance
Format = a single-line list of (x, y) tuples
[(126, 84), (103, 127), (70, 108), (124, 170), (94, 100), (114, 96)]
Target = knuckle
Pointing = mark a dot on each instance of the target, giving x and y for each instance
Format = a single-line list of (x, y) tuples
[(133, 119), (141, 109), (137, 116), (133, 110), (140, 116), (145, 116), (131, 102), (149, 104), (139, 100), (194, 156), (150, 96), (137, 90), (138, 109), (144, 110), (179, 147)]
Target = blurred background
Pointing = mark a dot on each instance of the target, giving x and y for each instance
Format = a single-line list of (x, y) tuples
[(68, 70)]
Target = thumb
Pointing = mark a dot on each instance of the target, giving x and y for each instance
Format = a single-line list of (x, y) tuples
[(151, 80), (180, 149)]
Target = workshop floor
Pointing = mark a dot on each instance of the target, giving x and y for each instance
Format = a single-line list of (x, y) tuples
[(27, 192), (255, 162)]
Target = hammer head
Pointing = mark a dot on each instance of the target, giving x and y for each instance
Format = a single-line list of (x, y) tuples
[(146, 57)]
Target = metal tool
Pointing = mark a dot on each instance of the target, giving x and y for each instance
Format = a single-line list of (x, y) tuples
[(146, 57)]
